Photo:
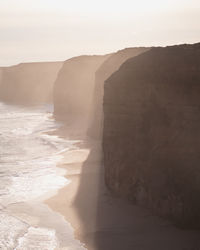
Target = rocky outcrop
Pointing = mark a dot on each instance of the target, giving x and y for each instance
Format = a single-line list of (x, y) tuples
[(29, 83), (74, 89), (107, 68), (151, 138)]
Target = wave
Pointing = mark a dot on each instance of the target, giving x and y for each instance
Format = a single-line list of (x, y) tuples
[(28, 159)]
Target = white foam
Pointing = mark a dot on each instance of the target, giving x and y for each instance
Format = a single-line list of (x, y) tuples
[(38, 239), (28, 159), (10, 229)]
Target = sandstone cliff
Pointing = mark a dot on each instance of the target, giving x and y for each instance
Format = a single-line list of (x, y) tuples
[(74, 89), (107, 68), (151, 137), (29, 83)]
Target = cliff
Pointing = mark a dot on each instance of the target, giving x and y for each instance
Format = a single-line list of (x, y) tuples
[(74, 89), (29, 83), (151, 138), (107, 68), (1, 70)]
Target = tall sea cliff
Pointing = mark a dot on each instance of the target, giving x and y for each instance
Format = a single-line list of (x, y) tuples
[(28, 83), (151, 136), (105, 70), (74, 89)]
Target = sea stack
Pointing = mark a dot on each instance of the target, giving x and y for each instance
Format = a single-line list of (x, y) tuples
[(151, 136)]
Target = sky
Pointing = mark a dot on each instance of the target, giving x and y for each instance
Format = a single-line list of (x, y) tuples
[(55, 30)]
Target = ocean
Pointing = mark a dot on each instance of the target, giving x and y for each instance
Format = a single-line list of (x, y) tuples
[(28, 172)]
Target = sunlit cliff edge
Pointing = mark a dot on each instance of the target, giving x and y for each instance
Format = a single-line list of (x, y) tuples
[(73, 91), (104, 71)]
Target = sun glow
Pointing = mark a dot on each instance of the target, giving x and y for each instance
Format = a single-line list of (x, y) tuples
[(56, 30), (91, 6)]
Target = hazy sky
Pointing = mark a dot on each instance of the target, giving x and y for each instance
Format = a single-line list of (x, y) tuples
[(47, 30)]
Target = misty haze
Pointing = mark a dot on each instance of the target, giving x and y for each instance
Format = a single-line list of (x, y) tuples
[(99, 125)]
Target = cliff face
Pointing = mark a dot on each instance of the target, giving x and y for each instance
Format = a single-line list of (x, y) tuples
[(74, 88), (29, 83), (107, 68), (1, 70), (151, 137)]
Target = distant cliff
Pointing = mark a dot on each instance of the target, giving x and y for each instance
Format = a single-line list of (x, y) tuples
[(1, 70), (151, 137), (74, 89), (29, 83), (107, 68)]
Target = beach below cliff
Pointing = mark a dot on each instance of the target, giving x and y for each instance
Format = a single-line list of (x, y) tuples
[(104, 222), (29, 154)]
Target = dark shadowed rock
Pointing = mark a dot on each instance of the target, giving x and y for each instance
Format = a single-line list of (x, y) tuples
[(151, 137), (29, 83), (73, 91), (107, 68)]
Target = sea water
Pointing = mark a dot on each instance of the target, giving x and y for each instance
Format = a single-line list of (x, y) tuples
[(28, 158)]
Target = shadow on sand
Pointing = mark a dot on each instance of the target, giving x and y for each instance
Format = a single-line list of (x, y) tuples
[(111, 223)]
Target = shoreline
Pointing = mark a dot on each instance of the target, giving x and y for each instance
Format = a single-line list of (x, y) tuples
[(103, 222), (62, 200), (30, 156), (41, 218)]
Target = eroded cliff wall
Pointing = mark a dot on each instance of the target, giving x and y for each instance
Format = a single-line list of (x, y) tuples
[(74, 89), (29, 83), (107, 68), (151, 138)]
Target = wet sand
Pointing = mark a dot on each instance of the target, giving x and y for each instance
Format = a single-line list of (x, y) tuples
[(104, 222)]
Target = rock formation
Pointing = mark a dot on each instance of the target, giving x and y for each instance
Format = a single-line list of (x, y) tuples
[(107, 68), (73, 91), (29, 83), (151, 138)]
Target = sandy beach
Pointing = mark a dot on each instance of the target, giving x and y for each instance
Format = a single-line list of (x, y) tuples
[(104, 222)]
